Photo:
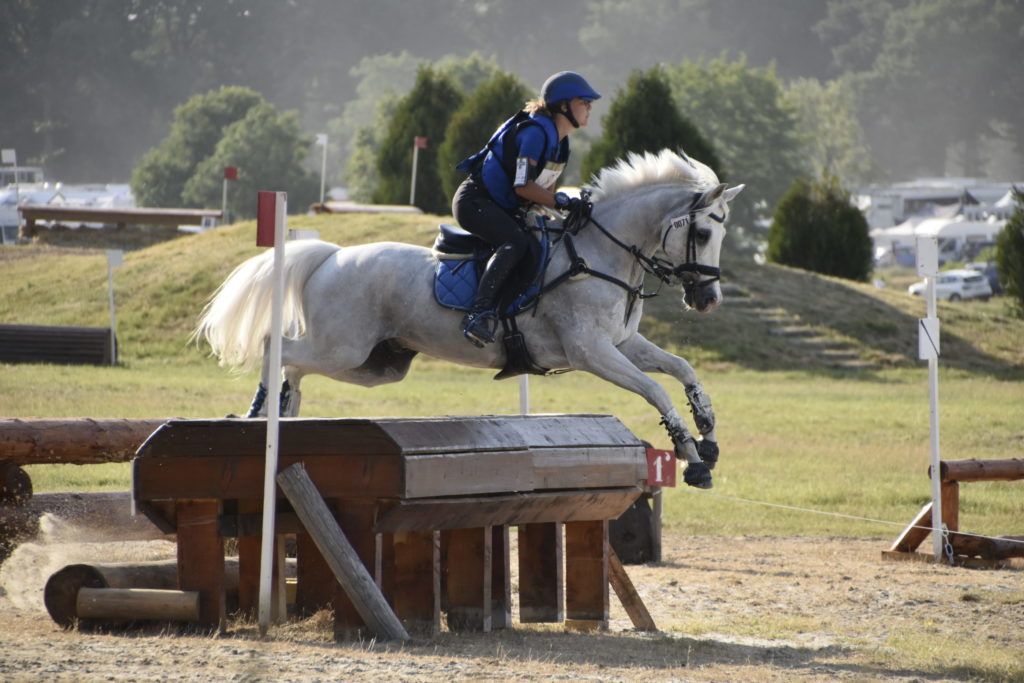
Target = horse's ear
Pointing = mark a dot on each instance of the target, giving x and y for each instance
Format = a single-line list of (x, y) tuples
[(731, 193)]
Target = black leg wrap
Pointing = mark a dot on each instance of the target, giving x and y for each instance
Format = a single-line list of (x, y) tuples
[(708, 452), (698, 475)]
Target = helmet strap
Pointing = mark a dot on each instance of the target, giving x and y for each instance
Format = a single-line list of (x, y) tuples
[(566, 111)]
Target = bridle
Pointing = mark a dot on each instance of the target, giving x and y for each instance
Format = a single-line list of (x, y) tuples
[(688, 274)]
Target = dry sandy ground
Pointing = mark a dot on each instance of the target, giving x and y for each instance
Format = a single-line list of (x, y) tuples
[(729, 609)]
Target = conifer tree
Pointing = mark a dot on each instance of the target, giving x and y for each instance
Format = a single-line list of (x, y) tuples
[(1010, 256), (424, 112), (815, 227)]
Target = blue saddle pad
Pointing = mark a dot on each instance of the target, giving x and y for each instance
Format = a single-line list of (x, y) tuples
[(455, 283)]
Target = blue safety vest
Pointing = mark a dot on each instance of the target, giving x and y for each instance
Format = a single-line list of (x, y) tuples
[(497, 165)]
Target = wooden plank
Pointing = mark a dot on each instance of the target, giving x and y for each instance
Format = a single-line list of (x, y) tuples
[(346, 564), (456, 513), (136, 216), (915, 533), (628, 596), (541, 573), (1008, 469), (501, 578), (201, 558), (586, 574), (249, 560), (411, 578), (460, 474), (316, 587), (217, 476), (468, 578), (355, 520), (78, 440), (582, 467)]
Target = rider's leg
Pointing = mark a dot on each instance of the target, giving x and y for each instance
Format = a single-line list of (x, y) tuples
[(475, 211)]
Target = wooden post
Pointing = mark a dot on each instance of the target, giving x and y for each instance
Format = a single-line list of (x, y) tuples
[(411, 577), (541, 574), (201, 557), (339, 553), (316, 588), (501, 579), (586, 575), (468, 572)]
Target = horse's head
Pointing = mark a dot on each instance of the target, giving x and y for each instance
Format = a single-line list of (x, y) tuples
[(691, 240)]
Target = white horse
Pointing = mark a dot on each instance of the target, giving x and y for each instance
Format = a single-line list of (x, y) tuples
[(360, 314)]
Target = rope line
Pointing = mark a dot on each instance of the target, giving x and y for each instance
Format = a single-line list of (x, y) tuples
[(846, 516)]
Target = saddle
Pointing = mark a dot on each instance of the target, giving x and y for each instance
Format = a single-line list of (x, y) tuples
[(461, 259)]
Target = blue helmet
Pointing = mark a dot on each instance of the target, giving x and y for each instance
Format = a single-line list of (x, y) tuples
[(565, 85)]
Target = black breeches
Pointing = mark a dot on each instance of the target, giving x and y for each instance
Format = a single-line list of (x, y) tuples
[(477, 213)]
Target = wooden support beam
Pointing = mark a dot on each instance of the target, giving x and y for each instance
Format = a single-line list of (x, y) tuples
[(501, 578), (628, 596), (586, 575), (541, 573), (468, 575), (411, 578), (201, 558), (915, 533), (340, 555)]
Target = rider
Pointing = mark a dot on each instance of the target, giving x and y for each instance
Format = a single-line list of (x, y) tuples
[(492, 202)]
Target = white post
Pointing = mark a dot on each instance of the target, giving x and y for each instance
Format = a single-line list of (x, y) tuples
[(115, 258), (321, 139), (273, 416), (10, 156), (224, 204), (412, 186), (524, 394), (928, 347)]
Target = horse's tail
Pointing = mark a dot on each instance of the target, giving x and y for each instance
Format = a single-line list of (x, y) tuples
[(236, 321)]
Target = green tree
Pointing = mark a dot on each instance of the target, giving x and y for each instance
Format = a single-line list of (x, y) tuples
[(473, 123), (270, 154), (1010, 256), (199, 124), (644, 118), (815, 227), (424, 112), (754, 129)]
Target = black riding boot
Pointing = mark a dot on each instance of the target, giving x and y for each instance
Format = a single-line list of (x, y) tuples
[(481, 323)]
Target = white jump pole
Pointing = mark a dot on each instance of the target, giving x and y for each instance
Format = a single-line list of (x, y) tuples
[(928, 348), (272, 215), (115, 258)]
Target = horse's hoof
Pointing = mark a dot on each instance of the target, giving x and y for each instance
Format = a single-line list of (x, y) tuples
[(708, 452), (698, 475)]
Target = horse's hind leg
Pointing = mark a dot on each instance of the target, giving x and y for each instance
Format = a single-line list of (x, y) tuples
[(290, 396)]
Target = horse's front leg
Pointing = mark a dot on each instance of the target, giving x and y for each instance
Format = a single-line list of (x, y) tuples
[(650, 358), (602, 358)]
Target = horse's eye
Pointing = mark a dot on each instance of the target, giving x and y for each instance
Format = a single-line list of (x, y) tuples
[(703, 235)]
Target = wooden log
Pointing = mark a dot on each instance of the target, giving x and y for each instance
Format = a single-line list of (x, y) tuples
[(628, 596), (1002, 548), (340, 555), (120, 604), (78, 440), (1009, 469), (60, 594)]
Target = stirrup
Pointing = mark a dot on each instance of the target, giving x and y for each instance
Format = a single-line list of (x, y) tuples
[(480, 328)]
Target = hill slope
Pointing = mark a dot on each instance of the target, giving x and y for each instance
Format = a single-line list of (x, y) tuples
[(773, 317)]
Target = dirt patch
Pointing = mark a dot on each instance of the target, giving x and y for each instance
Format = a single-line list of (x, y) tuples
[(729, 609)]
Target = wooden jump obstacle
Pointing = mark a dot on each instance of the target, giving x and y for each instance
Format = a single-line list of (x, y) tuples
[(61, 344), (967, 549), (425, 503)]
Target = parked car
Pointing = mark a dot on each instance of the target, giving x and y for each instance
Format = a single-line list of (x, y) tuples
[(991, 273), (955, 285)]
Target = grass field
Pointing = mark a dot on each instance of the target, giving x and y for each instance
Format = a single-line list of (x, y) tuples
[(792, 433)]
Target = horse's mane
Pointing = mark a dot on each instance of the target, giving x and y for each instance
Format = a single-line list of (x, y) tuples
[(637, 170)]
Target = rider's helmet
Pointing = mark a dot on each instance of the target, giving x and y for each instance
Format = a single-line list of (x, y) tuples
[(565, 85)]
